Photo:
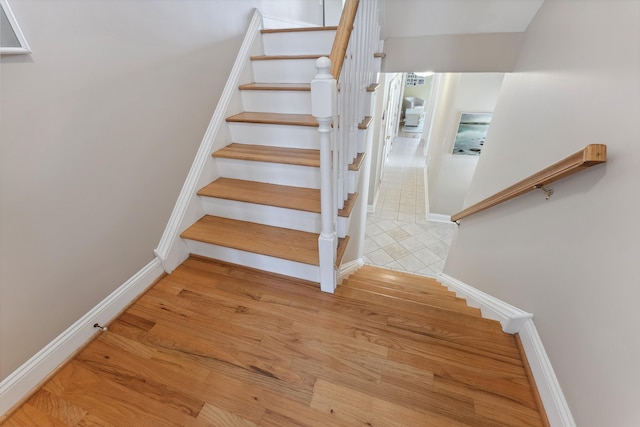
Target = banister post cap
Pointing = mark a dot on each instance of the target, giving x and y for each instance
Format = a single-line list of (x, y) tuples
[(323, 65)]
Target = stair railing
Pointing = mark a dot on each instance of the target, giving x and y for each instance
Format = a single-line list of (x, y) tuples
[(339, 103), (591, 155)]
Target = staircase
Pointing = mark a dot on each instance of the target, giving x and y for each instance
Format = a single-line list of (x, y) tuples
[(394, 288), (464, 348), (258, 193), (263, 210)]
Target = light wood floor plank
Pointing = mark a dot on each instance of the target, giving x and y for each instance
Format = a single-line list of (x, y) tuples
[(219, 344)]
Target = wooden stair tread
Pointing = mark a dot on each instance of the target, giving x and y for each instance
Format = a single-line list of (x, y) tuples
[(423, 319), (400, 277), (277, 242), (274, 118), (286, 57), (262, 153), (455, 304), (260, 193), (424, 291), (299, 87), (364, 124), (357, 163), (373, 87), (296, 30)]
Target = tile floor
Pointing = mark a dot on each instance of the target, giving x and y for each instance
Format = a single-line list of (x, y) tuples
[(398, 235)]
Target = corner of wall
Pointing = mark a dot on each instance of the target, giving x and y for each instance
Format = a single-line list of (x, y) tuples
[(17, 386)]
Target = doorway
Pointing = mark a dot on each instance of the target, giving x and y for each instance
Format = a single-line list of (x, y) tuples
[(398, 234)]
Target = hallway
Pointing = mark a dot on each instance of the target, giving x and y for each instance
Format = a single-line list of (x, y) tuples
[(398, 236)]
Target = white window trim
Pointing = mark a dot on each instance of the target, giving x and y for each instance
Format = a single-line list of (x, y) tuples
[(24, 46)]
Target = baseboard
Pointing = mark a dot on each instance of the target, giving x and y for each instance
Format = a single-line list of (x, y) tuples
[(510, 317), (438, 217), (514, 320), (27, 377), (349, 267), (555, 404)]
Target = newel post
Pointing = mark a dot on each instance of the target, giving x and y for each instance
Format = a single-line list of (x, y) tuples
[(323, 100)]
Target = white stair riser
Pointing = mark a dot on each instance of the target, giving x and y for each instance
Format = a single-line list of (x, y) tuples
[(343, 226), (292, 43), (269, 215), (275, 135), (271, 173), (276, 101), (261, 262), (284, 70), (353, 178), (362, 141)]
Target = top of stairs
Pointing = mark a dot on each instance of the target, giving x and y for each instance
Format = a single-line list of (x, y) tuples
[(296, 30), (427, 308), (300, 87), (287, 57), (373, 282)]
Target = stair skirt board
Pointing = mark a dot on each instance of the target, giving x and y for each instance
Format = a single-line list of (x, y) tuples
[(253, 260), (284, 70), (514, 320), (309, 43), (269, 215), (270, 173), (19, 385), (170, 248), (271, 101), (275, 135)]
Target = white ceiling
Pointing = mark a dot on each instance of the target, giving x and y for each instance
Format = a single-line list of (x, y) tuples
[(411, 18)]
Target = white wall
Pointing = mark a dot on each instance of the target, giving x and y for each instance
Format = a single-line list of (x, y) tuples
[(99, 127), (412, 18), (571, 260), (449, 176), (457, 53)]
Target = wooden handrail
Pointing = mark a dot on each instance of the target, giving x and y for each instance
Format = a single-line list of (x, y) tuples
[(340, 43), (590, 155)]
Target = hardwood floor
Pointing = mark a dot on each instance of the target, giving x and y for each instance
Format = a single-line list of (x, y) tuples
[(217, 344)]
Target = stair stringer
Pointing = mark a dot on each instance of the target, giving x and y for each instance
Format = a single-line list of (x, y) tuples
[(172, 250)]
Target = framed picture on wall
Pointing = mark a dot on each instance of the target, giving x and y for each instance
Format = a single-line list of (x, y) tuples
[(471, 132), (12, 40)]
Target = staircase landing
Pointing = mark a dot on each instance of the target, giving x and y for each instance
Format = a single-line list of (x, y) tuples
[(218, 344)]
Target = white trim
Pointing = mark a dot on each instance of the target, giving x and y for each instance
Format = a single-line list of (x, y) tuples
[(23, 380), (510, 317), (24, 46), (372, 208), (170, 251), (555, 404), (514, 320), (349, 267), (438, 217)]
